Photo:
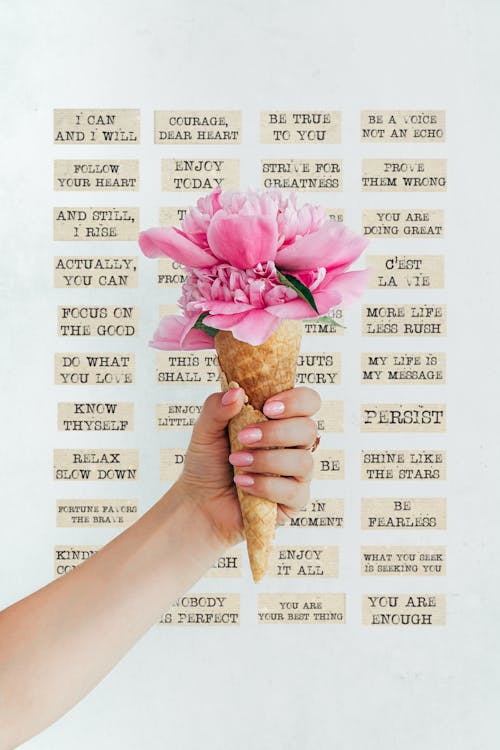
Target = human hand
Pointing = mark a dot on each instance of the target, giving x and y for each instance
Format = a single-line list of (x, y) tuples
[(207, 477)]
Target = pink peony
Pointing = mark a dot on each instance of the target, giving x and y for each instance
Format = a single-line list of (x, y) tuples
[(233, 244)]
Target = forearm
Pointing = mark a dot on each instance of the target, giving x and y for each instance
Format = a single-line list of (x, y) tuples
[(122, 590)]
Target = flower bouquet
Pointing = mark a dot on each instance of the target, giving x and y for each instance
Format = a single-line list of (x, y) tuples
[(256, 265)]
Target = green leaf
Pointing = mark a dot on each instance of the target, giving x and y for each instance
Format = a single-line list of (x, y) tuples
[(299, 287), (206, 329), (328, 319)]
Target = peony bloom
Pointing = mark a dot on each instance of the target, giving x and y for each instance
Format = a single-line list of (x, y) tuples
[(236, 247)]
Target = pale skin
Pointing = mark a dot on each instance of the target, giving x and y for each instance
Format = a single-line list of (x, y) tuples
[(127, 585)]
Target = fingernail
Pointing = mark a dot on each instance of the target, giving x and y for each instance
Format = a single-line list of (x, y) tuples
[(240, 458), (243, 480), (250, 435), (273, 408), (230, 396)]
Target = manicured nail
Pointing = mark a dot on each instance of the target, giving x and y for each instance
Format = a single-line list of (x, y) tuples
[(230, 396), (243, 480), (250, 435), (240, 458), (273, 408)]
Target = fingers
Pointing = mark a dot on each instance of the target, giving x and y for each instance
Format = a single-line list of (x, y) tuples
[(296, 431), (296, 402), (290, 494), (290, 424), (293, 426), (216, 412), (288, 462)]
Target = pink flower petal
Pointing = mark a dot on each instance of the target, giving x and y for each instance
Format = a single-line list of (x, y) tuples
[(224, 322), (326, 299), (298, 309), (188, 322), (295, 309), (255, 327), (196, 339), (243, 240), (334, 244), (172, 328), (350, 285), (171, 242), (217, 307)]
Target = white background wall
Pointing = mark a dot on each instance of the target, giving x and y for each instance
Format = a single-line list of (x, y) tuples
[(259, 687)]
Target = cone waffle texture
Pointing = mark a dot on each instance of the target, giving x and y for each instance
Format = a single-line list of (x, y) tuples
[(262, 371)]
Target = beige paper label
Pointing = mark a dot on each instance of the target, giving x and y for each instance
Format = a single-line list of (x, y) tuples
[(403, 175), (170, 273), (303, 562), (403, 320), (310, 609), (97, 126), (171, 463), (177, 416), (422, 368), (68, 557), (189, 126), (96, 513), (324, 512), (406, 271), (318, 368), (313, 327), (95, 416), (403, 223), (328, 464), (227, 566), (403, 464), (93, 320), (171, 215), (403, 513), (404, 609), (200, 174), (104, 223), (200, 367), (302, 174), (204, 609), (94, 368), (330, 417), (170, 309), (403, 561), (403, 125), (197, 367), (403, 417), (174, 277), (335, 214), (72, 272), (300, 127), (96, 175), (96, 464)]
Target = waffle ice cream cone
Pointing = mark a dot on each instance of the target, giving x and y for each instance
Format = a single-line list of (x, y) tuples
[(261, 371)]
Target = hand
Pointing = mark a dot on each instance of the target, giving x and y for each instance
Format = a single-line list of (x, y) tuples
[(207, 476)]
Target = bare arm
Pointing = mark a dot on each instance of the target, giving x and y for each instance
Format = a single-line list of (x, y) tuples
[(123, 589)]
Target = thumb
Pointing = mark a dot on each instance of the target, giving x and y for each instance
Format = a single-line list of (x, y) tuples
[(216, 412)]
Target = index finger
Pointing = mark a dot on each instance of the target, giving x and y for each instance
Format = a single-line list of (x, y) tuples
[(296, 402)]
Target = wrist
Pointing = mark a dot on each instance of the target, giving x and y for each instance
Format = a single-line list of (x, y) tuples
[(196, 539)]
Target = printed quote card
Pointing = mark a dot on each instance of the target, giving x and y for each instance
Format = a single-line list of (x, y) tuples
[(383, 432)]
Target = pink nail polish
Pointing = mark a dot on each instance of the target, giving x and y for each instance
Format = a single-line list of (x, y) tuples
[(230, 396), (250, 435), (243, 480), (240, 458), (273, 408)]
